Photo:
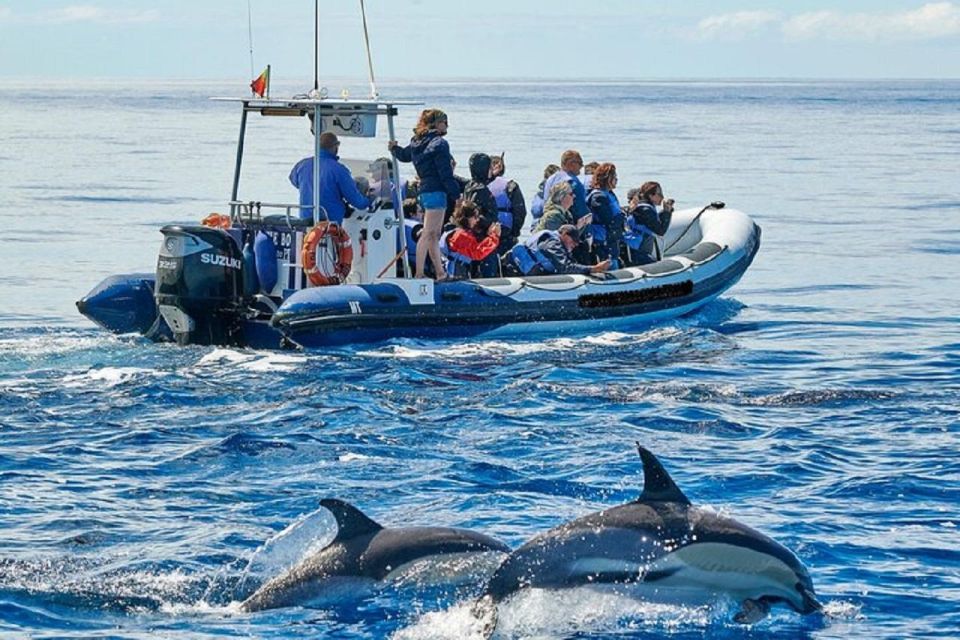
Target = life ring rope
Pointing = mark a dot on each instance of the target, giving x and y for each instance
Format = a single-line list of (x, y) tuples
[(327, 263)]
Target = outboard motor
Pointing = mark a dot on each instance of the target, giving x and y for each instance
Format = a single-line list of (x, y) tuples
[(199, 286)]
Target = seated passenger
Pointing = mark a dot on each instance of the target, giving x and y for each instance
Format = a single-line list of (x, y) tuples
[(556, 210), (511, 208), (471, 252), (547, 252), (536, 207), (336, 183), (588, 170), (476, 190), (607, 226), (645, 222), (570, 165), (412, 210)]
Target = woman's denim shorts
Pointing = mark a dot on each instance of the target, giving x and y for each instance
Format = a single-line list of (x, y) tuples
[(433, 200)]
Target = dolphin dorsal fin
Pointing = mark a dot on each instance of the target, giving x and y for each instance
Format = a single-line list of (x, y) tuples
[(658, 486), (351, 522)]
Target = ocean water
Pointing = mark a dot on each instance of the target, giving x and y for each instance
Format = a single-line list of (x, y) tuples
[(145, 489)]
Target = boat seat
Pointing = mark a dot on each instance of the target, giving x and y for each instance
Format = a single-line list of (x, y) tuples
[(662, 268), (702, 252)]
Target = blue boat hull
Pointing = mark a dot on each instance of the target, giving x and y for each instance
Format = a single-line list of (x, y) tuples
[(329, 316)]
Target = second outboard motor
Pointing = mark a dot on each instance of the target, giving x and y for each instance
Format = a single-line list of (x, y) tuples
[(199, 286)]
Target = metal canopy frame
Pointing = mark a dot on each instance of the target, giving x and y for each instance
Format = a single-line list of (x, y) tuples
[(319, 108)]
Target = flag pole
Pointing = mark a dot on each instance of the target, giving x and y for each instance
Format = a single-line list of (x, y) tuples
[(316, 45)]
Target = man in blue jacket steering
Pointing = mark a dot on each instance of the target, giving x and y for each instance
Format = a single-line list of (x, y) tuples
[(337, 186)]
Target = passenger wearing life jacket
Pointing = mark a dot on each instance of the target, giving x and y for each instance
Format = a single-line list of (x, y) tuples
[(536, 207), (511, 208), (547, 252), (570, 165), (471, 252), (648, 218), (607, 225), (556, 211), (478, 192), (337, 186)]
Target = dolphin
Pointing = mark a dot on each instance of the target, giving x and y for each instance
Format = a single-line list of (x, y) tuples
[(661, 548), (364, 549)]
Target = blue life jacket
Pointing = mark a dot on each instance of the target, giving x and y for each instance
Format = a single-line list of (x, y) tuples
[(527, 255), (458, 265), (409, 229), (636, 232), (599, 231), (498, 187)]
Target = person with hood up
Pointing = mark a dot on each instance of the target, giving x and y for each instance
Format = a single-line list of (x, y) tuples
[(477, 190), (431, 158), (511, 208)]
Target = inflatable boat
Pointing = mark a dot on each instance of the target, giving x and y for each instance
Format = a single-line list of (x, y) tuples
[(272, 280)]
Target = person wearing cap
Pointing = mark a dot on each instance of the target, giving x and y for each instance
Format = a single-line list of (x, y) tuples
[(571, 163), (337, 187), (549, 252)]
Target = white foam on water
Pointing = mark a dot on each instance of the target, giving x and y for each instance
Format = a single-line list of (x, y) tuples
[(538, 613), (843, 610), (470, 350), (54, 344), (305, 535), (353, 457), (260, 362), (109, 376)]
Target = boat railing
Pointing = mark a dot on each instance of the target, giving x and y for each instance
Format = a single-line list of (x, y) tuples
[(251, 212)]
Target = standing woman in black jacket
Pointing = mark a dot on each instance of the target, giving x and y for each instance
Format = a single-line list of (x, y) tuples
[(431, 158)]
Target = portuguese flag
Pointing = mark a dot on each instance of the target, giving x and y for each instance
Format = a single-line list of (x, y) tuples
[(261, 86)]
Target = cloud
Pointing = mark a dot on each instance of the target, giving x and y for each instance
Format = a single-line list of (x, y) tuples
[(735, 25), (932, 20), (93, 14)]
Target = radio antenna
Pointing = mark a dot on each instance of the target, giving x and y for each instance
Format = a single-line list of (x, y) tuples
[(316, 46), (250, 35), (374, 94)]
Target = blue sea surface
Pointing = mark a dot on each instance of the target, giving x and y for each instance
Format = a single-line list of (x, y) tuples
[(145, 488)]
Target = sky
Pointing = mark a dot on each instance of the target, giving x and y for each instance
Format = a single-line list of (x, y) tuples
[(491, 39)]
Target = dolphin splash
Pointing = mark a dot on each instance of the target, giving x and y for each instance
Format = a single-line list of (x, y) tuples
[(363, 549), (660, 548)]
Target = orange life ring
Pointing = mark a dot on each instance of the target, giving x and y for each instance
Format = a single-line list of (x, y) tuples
[(217, 221), (340, 251)]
